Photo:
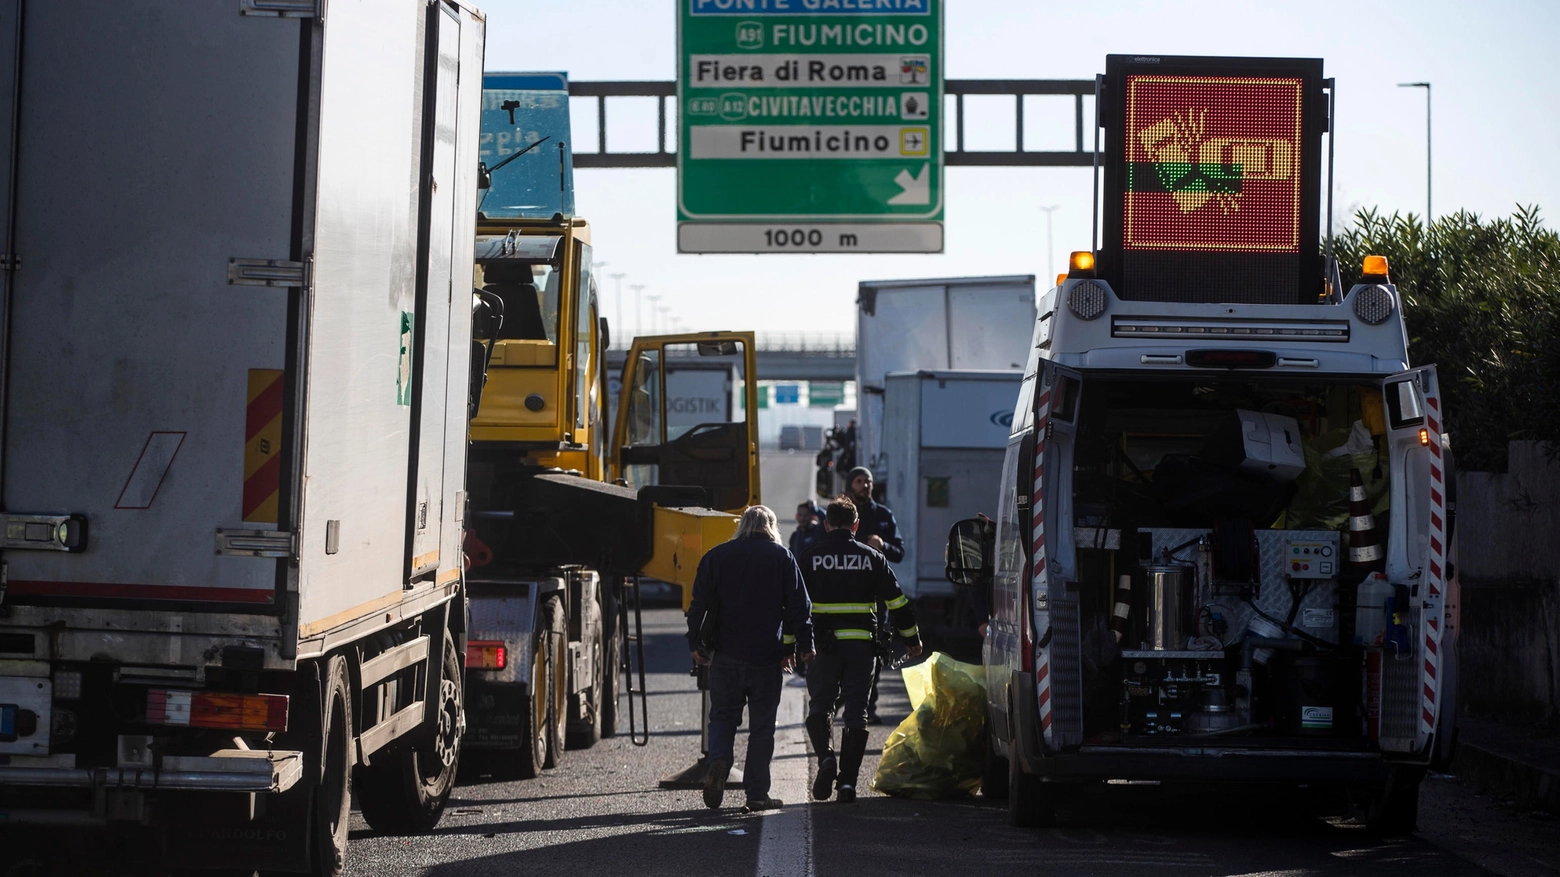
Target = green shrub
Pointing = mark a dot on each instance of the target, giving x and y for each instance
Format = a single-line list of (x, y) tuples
[(1482, 303)]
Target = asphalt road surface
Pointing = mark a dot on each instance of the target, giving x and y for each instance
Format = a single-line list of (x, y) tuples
[(787, 480), (602, 812)]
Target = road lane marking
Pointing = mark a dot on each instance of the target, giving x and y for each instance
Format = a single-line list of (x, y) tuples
[(785, 841)]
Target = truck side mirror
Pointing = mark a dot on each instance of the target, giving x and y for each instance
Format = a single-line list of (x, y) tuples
[(968, 555)]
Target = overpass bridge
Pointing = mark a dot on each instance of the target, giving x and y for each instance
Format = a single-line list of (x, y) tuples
[(784, 356)]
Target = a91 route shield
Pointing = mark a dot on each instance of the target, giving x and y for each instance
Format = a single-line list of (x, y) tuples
[(810, 126)]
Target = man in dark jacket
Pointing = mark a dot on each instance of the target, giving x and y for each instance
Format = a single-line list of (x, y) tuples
[(762, 625), (848, 580), (809, 527), (878, 530)]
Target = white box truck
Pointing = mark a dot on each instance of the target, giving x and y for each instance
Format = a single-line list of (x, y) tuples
[(978, 323), (238, 246), (944, 433)]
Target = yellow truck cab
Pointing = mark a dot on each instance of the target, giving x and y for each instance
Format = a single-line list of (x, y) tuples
[(545, 381)]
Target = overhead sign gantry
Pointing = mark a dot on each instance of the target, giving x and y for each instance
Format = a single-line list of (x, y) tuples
[(810, 126)]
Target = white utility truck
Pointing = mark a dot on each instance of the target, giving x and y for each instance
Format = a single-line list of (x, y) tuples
[(237, 305), (1224, 548)]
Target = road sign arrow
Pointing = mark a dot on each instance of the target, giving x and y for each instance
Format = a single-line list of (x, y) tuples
[(917, 189)]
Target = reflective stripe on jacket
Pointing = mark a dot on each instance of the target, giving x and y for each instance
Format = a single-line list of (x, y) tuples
[(846, 580)]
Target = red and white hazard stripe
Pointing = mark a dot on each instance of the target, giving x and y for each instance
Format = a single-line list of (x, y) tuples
[(1038, 584), (1435, 604)]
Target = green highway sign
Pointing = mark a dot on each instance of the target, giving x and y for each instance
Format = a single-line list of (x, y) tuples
[(809, 126)]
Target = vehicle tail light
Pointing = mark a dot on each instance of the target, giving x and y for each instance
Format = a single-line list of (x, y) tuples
[(486, 655), (215, 709)]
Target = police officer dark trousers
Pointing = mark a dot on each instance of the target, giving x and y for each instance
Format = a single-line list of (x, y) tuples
[(845, 580)]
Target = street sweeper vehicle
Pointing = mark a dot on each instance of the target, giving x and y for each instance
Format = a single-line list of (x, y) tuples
[(1224, 547)]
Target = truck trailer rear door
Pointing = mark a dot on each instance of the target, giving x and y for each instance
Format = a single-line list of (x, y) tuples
[(1417, 554), (676, 424), (144, 358), (432, 318)]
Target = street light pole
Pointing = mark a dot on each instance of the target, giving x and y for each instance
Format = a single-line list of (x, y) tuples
[(653, 300), (638, 288), (617, 282), (1050, 251), (1426, 86)]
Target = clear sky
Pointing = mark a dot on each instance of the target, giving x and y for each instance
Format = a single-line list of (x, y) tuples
[(1497, 130)]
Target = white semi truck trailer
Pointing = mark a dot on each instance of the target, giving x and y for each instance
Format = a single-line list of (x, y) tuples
[(237, 310)]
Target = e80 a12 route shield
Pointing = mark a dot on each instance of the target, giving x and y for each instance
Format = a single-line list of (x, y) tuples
[(810, 126)]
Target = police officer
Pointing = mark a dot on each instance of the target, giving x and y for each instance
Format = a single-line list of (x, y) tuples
[(846, 580)]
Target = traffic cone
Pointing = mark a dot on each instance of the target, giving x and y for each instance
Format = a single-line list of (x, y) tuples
[(1366, 553), (1121, 613)]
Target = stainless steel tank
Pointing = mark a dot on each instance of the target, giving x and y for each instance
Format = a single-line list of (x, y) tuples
[(1170, 610)]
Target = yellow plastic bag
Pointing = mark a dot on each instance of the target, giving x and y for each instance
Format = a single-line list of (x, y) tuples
[(939, 751)]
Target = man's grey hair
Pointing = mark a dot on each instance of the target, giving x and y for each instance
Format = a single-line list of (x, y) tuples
[(758, 522)]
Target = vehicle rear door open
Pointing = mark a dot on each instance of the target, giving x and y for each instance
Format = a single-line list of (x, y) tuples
[(1053, 564), (1416, 556)]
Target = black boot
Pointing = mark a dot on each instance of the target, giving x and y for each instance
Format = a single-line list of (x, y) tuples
[(853, 745), (818, 730)]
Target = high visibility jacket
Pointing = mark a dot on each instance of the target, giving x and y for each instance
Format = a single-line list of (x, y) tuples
[(846, 580)]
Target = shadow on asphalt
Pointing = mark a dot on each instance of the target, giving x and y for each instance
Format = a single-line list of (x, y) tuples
[(676, 842)]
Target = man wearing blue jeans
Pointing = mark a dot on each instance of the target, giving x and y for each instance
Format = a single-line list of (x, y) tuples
[(763, 622)]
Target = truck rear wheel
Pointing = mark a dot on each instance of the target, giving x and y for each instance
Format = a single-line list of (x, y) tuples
[(1031, 803), (994, 784), (333, 795), (404, 792), (1394, 810), (587, 733), (526, 761), (611, 654), (555, 639)]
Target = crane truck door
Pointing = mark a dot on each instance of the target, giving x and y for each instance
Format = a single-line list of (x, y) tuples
[(1412, 680), (1053, 565), (687, 417)]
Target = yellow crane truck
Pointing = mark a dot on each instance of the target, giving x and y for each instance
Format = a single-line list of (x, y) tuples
[(566, 510)]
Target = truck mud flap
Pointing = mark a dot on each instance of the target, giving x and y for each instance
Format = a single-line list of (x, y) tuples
[(493, 713), (1024, 723)]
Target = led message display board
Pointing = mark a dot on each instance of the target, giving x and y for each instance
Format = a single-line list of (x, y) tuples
[(1212, 178)]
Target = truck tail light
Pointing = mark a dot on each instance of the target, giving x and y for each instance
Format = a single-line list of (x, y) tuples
[(486, 655), (214, 709)]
